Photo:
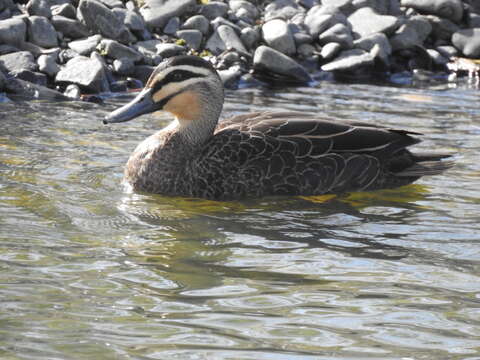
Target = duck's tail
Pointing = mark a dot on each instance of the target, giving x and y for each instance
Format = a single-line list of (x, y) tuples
[(427, 164)]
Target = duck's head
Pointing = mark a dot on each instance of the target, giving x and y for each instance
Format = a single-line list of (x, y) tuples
[(186, 86)]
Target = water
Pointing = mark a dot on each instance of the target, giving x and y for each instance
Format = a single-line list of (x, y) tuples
[(88, 271)]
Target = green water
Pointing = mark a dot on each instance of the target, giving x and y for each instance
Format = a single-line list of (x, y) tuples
[(88, 271)]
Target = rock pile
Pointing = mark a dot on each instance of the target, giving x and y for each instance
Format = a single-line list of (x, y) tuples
[(92, 46)]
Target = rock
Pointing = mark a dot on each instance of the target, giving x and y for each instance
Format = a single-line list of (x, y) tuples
[(193, 38), (72, 91), (148, 45), (442, 28), (319, 18), (87, 73), (33, 77), (112, 3), (437, 58), (250, 37), (169, 50), (41, 32), (47, 64), (85, 46), (12, 31), (66, 10), (468, 42), (306, 51), (349, 60), (243, 8), (268, 59), (173, 25), (29, 90), (3, 81), (123, 66), (277, 35), (100, 19), (221, 21), (447, 51), (14, 63), (70, 28), (338, 33), (473, 20), (380, 39), (130, 19), (115, 50), (450, 9), (214, 9), (282, 9), (66, 55), (231, 39), (197, 22), (365, 21), (301, 38), (156, 13), (39, 7), (215, 44), (345, 6), (142, 72), (6, 49), (412, 33), (230, 77), (330, 50)]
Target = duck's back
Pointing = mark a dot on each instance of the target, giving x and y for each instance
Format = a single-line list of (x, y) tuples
[(264, 154)]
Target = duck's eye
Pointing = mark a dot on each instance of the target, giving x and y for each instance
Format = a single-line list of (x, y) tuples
[(177, 76)]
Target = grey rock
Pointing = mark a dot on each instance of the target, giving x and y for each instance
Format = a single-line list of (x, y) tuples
[(33, 77), (67, 10), (283, 9), (14, 63), (3, 81), (320, 18), (214, 9), (442, 28), (221, 21), (29, 90), (229, 58), (47, 64), (66, 55), (380, 39), (266, 58), (72, 91), (112, 3), (142, 72), (87, 73), (12, 31), (193, 38), (306, 51), (468, 42), (278, 36), (39, 7), (169, 50), (365, 21), (231, 39), (338, 33), (115, 50), (345, 6), (243, 8), (437, 58), (6, 49), (197, 22), (130, 19), (447, 51), (450, 9), (301, 38), (69, 27), (41, 32), (148, 45), (156, 13), (308, 4), (100, 19), (215, 44), (85, 46), (349, 60), (124, 66), (5, 14), (230, 76), (382, 7), (473, 20), (173, 25), (330, 50), (250, 37), (412, 33)]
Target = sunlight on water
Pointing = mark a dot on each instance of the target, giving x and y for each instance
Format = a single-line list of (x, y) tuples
[(90, 271)]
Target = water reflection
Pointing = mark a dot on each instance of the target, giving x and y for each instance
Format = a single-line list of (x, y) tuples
[(391, 274)]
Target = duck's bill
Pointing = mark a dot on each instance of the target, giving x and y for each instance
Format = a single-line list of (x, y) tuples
[(142, 104)]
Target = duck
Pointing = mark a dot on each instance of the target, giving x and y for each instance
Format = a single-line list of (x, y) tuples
[(259, 154)]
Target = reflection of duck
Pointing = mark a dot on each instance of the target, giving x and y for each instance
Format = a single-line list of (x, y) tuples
[(257, 154)]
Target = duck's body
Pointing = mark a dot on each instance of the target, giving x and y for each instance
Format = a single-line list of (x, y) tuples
[(258, 154)]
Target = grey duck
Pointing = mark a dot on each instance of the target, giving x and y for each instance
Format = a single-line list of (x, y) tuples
[(257, 154)]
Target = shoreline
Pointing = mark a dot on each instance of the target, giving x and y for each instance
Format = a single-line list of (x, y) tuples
[(61, 49)]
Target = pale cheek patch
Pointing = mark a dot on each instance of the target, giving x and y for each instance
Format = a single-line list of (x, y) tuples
[(185, 106)]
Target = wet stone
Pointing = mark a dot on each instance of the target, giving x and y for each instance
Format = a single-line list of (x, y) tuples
[(33, 77), (41, 32), (330, 50), (368, 42), (442, 28), (412, 33), (30, 90), (349, 60), (277, 35)]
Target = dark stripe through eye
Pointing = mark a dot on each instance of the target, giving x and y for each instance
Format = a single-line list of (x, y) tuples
[(176, 76)]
